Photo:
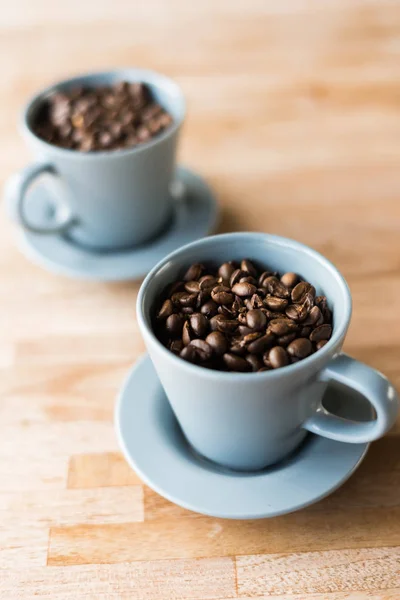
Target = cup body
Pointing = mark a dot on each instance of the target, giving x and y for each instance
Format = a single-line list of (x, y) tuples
[(245, 421), (119, 198)]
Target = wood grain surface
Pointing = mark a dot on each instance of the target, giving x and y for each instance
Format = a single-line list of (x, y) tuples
[(294, 120)]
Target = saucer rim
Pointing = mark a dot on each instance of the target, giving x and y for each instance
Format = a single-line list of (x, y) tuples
[(188, 505)]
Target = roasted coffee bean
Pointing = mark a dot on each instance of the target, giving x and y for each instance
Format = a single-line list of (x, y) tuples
[(296, 312), (187, 333), (277, 357), (174, 324), (166, 310), (321, 344), (275, 303), (264, 276), (305, 331), (236, 276), (248, 279), (255, 362), (176, 346), (247, 265), (199, 324), (261, 344), (289, 279), (204, 350), (244, 289), (209, 309), (313, 316), (192, 287), (299, 291), (218, 342), (186, 299), (222, 295), (284, 340), (300, 348), (236, 363), (225, 271), (194, 272), (264, 369), (281, 326), (189, 353), (231, 323), (207, 281), (227, 325), (256, 319), (323, 332)]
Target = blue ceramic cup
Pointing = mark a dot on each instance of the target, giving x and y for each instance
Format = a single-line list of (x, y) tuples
[(247, 421), (109, 199)]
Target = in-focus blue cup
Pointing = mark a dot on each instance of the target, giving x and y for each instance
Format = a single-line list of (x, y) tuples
[(105, 200), (247, 421)]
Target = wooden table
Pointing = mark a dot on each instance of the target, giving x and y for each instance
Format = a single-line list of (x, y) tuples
[(294, 119)]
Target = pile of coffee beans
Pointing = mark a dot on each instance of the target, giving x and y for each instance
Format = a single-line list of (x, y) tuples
[(242, 318), (102, 118)]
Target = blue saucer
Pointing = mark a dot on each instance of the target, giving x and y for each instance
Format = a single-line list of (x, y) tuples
[(156, 449), (194, 216)]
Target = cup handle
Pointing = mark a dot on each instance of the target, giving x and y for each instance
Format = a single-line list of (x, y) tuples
[(371, 384), (26, 177)]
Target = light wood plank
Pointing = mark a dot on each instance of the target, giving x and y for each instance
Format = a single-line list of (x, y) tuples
[(189, 538), (100, 470), (203, 579), (363, 570)]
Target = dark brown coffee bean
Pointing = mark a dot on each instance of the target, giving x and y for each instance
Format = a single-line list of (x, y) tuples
[(327, 315), (275, 303), (204, 350), (321, 344), (277, 357), (297, 312), (250, 338), (176, 346), (236, 363), (187, 310), (263, 369), (248, 279), (289, 279), (227, 325), (166, 310), (321, 302), (323, 332), (313, 316), (225, 271), (256, 302), (199, 324), (222, 295), (174, 324), (189, 353), (187, 333), (237, 347), (207, 282), (218, 342), (194, 272), (256, 319), (299, 291), (244, 289), (202, 297), (265, 275), (177, 286), (215, 322), (176, 298), (261, 344), (209, 309), (237, 304), (255, 362), (192, 287), (300, 348), (186, 299), (247, 265), (281, 326), (285, 340), (236, 276), (244, 330), (276, 288), (305, 331)]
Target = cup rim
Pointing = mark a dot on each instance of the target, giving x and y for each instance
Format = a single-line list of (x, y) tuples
[(321, 356), (144, 75)]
